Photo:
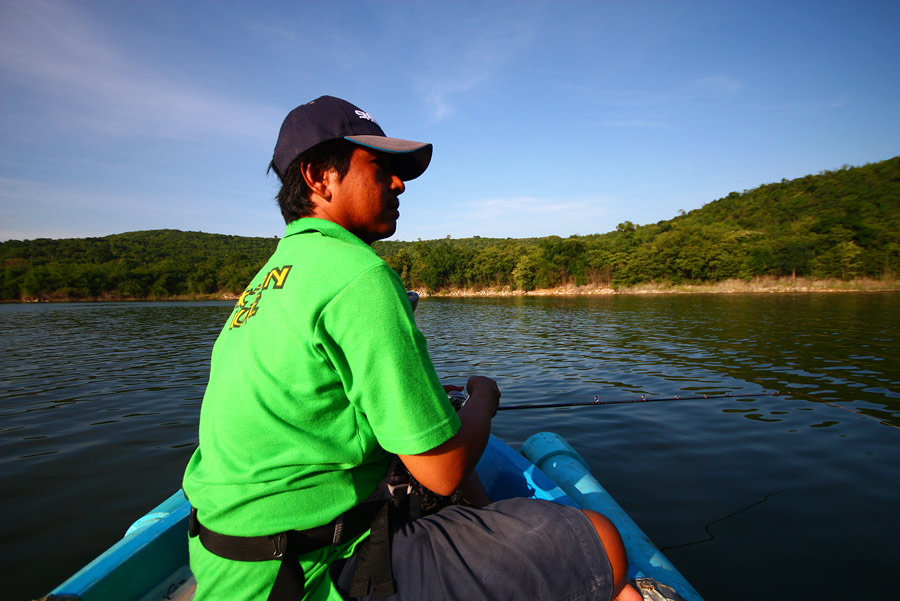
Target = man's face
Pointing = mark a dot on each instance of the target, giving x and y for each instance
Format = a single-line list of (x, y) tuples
[(365, 201)]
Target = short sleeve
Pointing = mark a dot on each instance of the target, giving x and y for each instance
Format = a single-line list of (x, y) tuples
[(368, 334)]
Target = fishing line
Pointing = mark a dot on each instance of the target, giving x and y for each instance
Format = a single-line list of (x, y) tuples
[(461, 397), (829, 403), (708, 527), (644, 399), (872, 417)]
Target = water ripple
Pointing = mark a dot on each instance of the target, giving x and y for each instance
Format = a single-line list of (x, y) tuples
[(99, 407)]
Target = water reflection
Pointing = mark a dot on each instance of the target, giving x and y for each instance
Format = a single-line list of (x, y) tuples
[(100, 404), (628, 345)]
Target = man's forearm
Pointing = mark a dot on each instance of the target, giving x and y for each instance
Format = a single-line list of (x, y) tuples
[(444, 468)]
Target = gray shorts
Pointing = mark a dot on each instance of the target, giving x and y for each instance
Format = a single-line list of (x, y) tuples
[(512, 549)]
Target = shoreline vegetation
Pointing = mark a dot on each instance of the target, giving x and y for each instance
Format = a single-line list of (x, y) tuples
[(760, 285), (837, 231)]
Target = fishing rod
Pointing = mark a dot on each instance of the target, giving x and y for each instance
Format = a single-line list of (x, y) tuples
[(644, 399)]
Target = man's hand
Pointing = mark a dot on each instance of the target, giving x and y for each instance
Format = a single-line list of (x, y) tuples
[(484, 390)]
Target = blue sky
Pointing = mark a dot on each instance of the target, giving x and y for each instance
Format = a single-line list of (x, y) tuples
[(548, 118)]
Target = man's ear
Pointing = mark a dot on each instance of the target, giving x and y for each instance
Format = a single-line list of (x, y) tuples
[(318, 180)]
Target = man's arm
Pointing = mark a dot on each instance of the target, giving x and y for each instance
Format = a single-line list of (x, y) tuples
[(473, 491), (445, 467)]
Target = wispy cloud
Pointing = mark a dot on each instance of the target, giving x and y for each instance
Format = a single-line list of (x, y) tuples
[(86, 81), (468, 55), (494, 208), (661, 93), (626, 123), (526, 216), (31, 209), (33, 206), (713, 85), (839, 102), (23, 195)]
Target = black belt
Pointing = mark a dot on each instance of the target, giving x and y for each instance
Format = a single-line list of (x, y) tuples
[(373, 565)]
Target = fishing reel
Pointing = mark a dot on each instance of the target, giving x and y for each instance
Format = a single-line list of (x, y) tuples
[(458, 398)]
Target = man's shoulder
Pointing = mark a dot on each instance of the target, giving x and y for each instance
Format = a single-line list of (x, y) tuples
[(318, 246), (324, 265)]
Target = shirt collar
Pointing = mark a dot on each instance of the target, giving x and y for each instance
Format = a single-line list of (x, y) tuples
[(324, 227)]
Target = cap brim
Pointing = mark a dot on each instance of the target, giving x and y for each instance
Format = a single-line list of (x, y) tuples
[(410, 158)]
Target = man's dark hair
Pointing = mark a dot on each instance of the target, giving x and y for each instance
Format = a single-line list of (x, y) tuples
[(293, 198)]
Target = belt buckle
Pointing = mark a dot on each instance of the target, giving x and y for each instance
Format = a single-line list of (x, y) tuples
[(279, 545), (338, 536)]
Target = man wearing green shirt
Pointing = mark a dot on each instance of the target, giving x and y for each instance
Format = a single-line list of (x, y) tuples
[(319, 377)]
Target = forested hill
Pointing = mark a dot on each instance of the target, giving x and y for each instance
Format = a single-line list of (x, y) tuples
[(837, 224), (147, 264)]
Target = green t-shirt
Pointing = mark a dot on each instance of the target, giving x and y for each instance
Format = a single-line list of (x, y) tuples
[(319, 372)]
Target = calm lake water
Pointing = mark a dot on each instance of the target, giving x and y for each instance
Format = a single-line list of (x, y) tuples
[(790, 496)]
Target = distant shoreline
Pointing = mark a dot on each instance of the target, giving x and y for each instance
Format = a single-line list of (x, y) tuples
[(760, 285)]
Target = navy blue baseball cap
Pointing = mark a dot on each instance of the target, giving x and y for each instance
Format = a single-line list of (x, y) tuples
[(329, 118)]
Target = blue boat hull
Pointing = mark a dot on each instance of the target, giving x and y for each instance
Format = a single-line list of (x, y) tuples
[(151, 561)]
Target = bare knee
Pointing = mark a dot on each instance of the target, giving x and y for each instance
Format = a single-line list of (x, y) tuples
[(615, 552)]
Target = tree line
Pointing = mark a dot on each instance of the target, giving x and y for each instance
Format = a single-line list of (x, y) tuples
[(153, 264), (838, 224)]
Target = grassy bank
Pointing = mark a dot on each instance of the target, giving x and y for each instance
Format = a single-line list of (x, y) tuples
[(760, 285)]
